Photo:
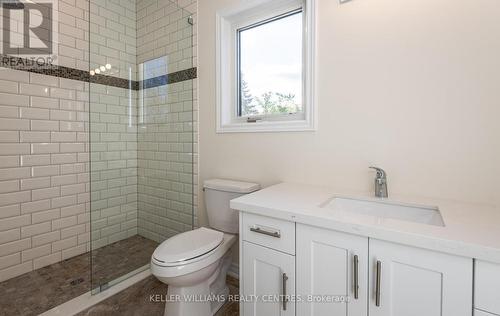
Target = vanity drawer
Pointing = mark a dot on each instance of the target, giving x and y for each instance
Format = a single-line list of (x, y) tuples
[(269, 232), (487, 287)]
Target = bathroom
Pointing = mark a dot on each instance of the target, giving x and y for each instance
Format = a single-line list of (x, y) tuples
[(161, 150)]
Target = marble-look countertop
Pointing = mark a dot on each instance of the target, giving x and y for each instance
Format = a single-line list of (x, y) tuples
[(471, 230)]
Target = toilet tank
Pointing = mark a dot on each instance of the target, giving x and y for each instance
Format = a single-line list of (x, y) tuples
[(218, 193)]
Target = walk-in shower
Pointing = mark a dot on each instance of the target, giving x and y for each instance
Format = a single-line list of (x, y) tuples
[(97, 150), (141, 133)]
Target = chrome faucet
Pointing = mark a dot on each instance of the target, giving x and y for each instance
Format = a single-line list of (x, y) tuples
[(380, 183)]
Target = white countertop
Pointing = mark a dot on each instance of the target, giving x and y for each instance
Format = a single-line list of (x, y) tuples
[(471, 230)]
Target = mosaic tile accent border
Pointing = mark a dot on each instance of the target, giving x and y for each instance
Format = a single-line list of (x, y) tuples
[(174, 77), (114, 82), (22, 64)]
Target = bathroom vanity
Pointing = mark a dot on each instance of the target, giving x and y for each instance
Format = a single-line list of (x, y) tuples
[(309, 251)]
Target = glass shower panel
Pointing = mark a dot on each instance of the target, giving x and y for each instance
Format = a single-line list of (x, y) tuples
[(141, 132)]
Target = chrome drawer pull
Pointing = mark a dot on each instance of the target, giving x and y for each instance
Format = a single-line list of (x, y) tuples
[(377, 286), (259, 230), (356, 277), (285, 297)]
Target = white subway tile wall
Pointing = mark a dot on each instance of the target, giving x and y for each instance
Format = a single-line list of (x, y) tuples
[(113, 145), (165, 161), (113, 36), (167, 122), (163, 30), (45, 196), (44, 164), (73, 34)]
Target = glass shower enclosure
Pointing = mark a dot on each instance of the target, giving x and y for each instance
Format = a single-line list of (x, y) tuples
[(141, 132)]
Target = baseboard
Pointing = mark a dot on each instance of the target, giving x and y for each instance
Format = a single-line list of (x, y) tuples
[(234, 271)]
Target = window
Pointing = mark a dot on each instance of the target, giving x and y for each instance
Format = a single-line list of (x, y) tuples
[(270, 67), (265, 67)]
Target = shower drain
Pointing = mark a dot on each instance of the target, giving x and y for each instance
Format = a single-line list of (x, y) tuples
[(77, 281)]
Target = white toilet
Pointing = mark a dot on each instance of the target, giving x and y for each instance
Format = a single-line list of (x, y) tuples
[(194, 264)]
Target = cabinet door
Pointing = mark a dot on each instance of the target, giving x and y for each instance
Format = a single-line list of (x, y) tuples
[(327, 264), (417, 282), (487, 286), (267, 276)]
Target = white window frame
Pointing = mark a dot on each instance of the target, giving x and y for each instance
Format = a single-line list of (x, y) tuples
[(228, 22)]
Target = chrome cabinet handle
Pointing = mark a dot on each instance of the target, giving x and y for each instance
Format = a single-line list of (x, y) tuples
[(275, 234), (285, 298), (356, 277), (377, 286)]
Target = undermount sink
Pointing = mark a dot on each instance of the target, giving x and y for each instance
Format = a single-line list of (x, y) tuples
[(386, 210)]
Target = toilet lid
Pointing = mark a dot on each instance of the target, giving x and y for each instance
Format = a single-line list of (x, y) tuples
[(188, 245)]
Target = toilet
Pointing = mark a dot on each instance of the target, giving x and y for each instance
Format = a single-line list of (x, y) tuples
[(194, 264)]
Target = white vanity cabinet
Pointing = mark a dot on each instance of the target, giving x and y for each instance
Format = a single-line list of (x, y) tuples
[(414, 282), (268, 266), (321, 266), (331, 264), (487, 288), (268, 275)]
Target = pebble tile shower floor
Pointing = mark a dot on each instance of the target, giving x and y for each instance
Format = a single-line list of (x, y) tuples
[(40, 290)]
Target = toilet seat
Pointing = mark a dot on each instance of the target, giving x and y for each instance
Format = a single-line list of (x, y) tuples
[(163, 270), (188, 247)]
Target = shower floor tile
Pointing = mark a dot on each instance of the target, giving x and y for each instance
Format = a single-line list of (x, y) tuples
[(136, 301), (40, 290), (119, 258)]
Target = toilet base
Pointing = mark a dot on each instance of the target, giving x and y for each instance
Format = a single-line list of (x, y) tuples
[(203, 299)]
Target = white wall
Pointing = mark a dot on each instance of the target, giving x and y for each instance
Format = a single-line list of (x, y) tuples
[(411, 86)]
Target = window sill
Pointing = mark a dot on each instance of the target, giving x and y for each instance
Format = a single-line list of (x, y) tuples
[(267, 126)]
